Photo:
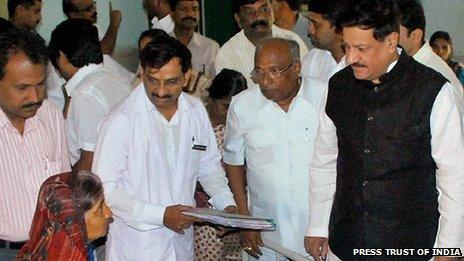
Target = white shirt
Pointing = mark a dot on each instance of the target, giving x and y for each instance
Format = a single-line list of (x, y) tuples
[(166, 23), (147, 164), (278, 149), (94, 90), (320, 64), (238, 53), (301, 29), (204, 51), (447, 142), (426, 56), (55, 82)]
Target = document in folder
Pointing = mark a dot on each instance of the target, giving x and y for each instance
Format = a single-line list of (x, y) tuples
[(231, 220)]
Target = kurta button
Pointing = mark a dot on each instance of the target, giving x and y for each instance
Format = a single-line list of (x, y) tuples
[(376, 89), (365, 183), (367, 151), (366, 214), (370, 118)]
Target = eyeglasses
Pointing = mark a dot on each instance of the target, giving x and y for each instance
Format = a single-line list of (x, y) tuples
[(89, 8), (257, 75)]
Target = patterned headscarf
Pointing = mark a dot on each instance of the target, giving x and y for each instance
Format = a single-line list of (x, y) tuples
[(58, 230)]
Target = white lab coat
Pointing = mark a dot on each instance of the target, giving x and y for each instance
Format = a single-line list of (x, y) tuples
[(139, 184)]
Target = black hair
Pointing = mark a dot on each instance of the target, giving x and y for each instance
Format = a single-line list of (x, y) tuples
[(24, 41), (412, 15), (13, 4), (293, 4), (440, 34), (159, 52), (68, 7), (380, 15), (236, 4), (78, 40), (5, 25), (153, 34), (227, 83), (173, 4), (87, 189), (330, 10)]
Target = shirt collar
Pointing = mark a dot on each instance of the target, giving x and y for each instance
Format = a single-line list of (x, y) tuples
[(166, 23), (30, 123), (423, 53), (195, 40), (273, 29), (79, 75)]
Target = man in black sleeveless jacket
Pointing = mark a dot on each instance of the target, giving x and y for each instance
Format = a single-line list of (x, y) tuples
[(389, 155)]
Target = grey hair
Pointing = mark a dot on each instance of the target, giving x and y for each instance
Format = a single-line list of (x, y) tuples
[(292, 44), (88, 189)]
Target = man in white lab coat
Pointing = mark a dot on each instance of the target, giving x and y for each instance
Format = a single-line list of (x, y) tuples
[(151, 151)]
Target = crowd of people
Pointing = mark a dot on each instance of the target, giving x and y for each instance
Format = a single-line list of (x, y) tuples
[(344, 126)]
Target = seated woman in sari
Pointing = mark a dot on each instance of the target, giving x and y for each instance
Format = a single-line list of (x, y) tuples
[(70, 213)]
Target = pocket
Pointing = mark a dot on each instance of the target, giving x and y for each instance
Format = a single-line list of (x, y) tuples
[(261, 156), (54, 167)]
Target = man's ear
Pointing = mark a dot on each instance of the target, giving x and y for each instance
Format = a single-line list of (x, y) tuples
[(237, 20), (187, 77), (63, 59), (417, 35), (393, 41), (297, 67)]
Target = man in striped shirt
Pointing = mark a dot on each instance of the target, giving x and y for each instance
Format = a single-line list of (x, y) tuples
[(32, 137)]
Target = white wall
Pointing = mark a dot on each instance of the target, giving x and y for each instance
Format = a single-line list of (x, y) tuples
[(446, 15), (133, 22)]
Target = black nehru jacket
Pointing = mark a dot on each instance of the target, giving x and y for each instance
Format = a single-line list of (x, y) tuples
[(386, 194)]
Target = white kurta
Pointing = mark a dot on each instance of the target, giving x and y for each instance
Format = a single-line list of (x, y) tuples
[(277, 148), (321, 65), (147, 164)]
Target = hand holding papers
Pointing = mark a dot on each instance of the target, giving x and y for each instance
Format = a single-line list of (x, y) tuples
[(231, 220)]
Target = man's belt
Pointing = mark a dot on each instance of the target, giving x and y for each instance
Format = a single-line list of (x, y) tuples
[(11, 245)]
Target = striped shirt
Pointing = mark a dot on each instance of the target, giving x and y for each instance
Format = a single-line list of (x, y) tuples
[(25, 162)]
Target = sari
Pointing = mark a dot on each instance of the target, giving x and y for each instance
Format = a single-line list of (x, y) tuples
[(58, 229)]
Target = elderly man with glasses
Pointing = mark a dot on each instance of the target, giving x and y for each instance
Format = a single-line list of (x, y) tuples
[(270, 132)]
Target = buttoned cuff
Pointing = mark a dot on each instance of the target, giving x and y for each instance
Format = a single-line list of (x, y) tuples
[(317, 232), (232, 159), (88, 146), (221, 201)]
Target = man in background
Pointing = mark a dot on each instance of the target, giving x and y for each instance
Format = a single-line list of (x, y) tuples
[(91, 89), (327, 57), (186, 15), (412, 39), (287, 16), (256, 19), (87, 9), (159, 14), (25, 13)]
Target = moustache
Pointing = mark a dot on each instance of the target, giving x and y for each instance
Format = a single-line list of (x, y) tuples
[(166, 96), (259, 23), (32, 105), (193, 19), (358, 65)]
